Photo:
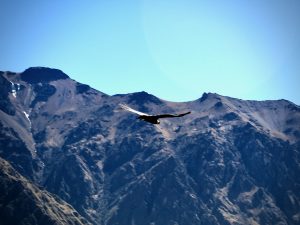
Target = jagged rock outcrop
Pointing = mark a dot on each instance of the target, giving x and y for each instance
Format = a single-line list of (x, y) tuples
[(229, 162), (22, 202)]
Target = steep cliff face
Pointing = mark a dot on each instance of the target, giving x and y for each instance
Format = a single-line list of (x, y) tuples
[(22, 202), (228, 162)]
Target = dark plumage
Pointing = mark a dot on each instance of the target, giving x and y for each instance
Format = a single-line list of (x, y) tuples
[(154, 119)]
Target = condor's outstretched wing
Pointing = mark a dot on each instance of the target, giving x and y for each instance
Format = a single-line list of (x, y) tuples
[(172, 115), (126, 107)]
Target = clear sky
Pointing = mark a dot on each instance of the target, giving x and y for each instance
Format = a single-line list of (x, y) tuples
[(174, 49)]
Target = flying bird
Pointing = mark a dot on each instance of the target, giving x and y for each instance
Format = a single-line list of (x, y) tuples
[(154, 119)]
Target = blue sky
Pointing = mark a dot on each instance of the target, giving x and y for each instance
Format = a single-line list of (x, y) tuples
[(174, 49)]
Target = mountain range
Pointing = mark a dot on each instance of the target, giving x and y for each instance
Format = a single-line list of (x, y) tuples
[(70, 155)]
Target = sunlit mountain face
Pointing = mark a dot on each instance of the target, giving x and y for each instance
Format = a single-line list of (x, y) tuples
[(230, 161)]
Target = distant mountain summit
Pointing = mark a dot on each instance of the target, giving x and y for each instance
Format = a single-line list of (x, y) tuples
[(41, 75), (230, 161)]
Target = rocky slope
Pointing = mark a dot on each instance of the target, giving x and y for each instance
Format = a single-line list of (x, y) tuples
[(22, 202), (229, 162)]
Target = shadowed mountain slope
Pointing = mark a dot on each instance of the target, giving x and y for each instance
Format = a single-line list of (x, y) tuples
[(230, 161), (22, 202)]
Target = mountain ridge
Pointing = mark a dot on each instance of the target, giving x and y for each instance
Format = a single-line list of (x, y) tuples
[(230, 161), (63, 75)]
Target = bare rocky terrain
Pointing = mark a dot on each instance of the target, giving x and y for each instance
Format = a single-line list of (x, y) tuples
[(230, 161), (23, 203)]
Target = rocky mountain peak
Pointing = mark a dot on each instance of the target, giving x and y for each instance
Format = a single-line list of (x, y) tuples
[(42, 75), (209, 96), (141, 98), (229, 161)]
